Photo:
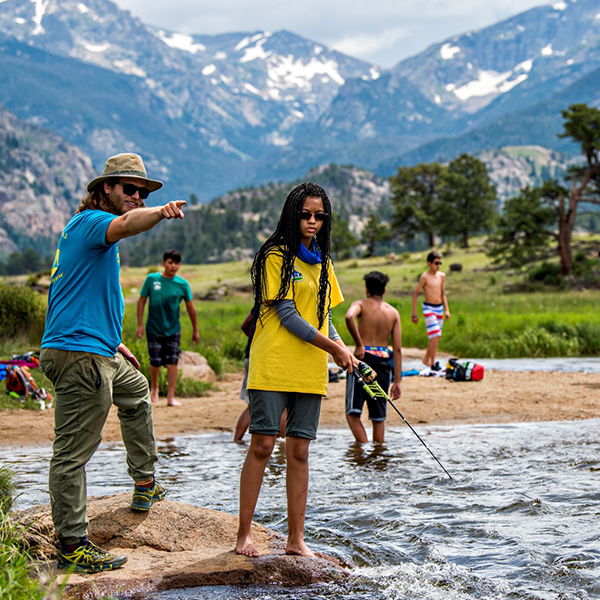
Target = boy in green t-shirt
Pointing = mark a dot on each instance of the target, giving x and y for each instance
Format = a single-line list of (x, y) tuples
[(165, 290)]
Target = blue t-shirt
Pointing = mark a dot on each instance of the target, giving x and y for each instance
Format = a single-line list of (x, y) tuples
[(85, 301)]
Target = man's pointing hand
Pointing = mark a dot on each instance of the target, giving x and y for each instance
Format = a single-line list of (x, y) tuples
[(172, 210)]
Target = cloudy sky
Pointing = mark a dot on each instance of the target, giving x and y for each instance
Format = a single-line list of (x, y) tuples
[(379, 31)]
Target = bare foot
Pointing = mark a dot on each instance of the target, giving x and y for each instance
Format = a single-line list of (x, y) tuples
[(173, 402), (245, 546), (154, 396), (300, 549)]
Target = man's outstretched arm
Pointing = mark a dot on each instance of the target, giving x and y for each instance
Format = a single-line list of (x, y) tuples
[(142, 219)]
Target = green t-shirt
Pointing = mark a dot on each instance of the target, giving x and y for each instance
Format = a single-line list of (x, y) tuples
[(165, 296)]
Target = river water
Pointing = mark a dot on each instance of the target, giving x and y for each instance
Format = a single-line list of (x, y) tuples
[(567, 365), (518, 521)]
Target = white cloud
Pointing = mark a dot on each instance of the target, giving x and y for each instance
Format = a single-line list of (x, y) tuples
[(364, 43)]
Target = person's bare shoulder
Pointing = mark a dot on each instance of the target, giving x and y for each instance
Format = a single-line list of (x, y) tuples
[(390, 308)]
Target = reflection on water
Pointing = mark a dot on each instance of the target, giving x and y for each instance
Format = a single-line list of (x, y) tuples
[(518, 521)]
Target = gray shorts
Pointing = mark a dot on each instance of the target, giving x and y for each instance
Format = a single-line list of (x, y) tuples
[(303, 411)]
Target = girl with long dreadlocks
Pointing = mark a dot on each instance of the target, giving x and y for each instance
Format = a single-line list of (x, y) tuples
[(294, 289)]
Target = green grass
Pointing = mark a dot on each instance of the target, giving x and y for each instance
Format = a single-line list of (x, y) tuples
[(488, 318), (21, 578)]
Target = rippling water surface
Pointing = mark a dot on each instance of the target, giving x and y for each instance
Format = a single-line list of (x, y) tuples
[(518, 521)]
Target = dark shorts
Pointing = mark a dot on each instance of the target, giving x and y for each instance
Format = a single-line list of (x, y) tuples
[(164, 351), (356, 396), (303, 412)]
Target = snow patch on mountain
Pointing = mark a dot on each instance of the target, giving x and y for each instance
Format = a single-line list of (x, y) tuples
[(82, 8), (18, 20), (96, 47), (181, 41), (547, 50), (560, 5), (252, 89), (256, 52), (286, 71), (488, 82), (448, 51), (129, 68), (40, 11), (526, 66), (209, 70)]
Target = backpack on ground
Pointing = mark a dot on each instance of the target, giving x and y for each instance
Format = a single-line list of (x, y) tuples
[(20, 381), (464, 370)]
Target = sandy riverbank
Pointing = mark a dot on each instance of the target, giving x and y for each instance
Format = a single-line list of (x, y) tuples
[(502, 397)]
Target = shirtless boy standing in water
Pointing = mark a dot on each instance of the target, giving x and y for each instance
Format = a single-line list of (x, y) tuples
[(377, 322), (435, 307)]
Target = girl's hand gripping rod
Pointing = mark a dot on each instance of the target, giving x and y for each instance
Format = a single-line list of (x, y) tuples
[(364, 372)]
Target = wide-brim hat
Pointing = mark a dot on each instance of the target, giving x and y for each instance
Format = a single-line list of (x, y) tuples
[(125, 165)]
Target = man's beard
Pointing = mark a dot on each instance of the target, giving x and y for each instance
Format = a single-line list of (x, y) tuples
[(116, 204)]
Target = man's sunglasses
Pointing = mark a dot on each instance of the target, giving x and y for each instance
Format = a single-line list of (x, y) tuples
[(305, 216), (437, 262), (129, 190)]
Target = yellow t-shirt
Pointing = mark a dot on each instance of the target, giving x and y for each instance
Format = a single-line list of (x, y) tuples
[(279, 360)]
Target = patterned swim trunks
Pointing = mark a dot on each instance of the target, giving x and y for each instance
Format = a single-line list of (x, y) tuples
[(434, 319)]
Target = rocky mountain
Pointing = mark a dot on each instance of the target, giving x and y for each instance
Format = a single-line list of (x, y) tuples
[(42, 180), (202, 109), (510, 63), (514, 167), (455, 89), (214, 113), (539, 124)]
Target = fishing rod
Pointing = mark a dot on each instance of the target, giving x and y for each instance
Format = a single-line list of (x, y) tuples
[(375, 390)]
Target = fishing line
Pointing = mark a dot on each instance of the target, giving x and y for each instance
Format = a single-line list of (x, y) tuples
[(374, 390)]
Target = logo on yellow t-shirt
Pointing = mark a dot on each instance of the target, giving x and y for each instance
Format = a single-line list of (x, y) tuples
[(297, 276)]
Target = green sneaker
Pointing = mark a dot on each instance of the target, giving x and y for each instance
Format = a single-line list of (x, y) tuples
[(89, 558), (143, 498)]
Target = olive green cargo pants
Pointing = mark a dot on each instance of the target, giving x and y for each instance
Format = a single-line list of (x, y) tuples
[(86, 386)]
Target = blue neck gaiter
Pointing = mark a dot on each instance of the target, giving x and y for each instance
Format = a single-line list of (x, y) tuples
[(312, 256)]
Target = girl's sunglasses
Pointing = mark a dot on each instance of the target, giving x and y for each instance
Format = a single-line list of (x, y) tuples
[(305, 216), (129, 190)]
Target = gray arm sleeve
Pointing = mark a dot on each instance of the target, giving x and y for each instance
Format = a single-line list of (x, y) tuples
[(293, 322), (333, 334)]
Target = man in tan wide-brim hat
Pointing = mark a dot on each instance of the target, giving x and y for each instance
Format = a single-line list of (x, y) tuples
[(83, 355)]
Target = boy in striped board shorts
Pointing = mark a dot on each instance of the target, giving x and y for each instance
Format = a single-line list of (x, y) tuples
[(435, 306)]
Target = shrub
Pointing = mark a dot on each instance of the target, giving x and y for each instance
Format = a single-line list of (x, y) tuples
[(21, 312), (547, 273), (234, 348)]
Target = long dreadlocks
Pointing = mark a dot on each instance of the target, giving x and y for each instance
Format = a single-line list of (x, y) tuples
[(285, 241)]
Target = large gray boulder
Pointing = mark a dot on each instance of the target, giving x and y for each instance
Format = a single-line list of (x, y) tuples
[(174, 546)]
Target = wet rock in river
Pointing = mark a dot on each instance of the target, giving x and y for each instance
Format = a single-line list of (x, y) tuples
[(174, 546)]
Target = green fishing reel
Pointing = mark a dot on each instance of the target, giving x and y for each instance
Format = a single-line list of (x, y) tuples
[(366, 372)]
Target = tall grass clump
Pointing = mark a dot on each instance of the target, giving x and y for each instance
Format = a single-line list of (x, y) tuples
[(19, 579), (21, 313)]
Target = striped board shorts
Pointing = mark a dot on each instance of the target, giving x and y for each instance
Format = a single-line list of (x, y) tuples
[(434, 319)]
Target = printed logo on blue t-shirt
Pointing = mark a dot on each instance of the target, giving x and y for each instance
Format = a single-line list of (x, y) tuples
[(297, 276), (156, 285)]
